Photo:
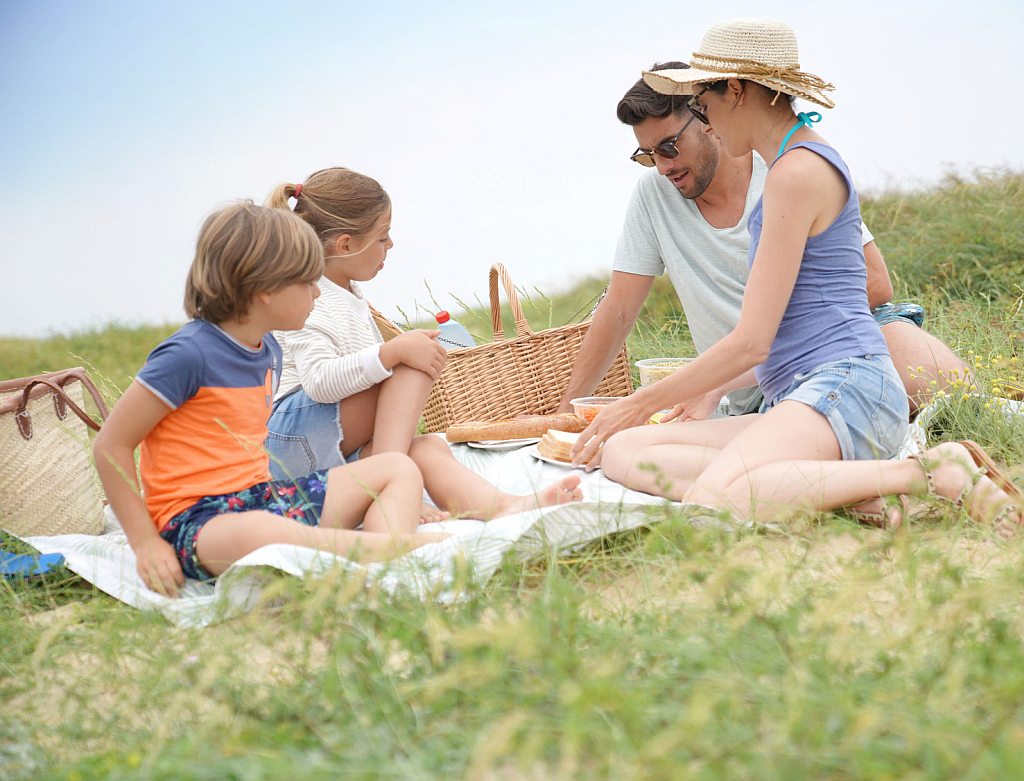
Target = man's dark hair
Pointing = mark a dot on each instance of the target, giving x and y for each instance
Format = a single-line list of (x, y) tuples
[(641, 102)]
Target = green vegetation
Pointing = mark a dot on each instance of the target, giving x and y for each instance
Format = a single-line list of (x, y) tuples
[(824, 650)]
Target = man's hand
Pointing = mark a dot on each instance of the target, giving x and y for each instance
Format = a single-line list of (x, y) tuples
[(625, 413), (700, 408), (417, 349), (158, 566)]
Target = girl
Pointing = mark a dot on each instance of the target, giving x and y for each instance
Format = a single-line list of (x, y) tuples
[(831, 392), (199, 409), (345, 393)]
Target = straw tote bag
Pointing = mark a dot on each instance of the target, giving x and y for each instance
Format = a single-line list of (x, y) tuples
[(48, 483), (525, 374)]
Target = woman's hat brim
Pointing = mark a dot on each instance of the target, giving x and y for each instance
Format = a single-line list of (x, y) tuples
[(681, 81)]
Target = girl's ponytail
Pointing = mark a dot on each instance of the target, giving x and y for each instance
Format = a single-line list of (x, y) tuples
[(279, 197), (335, 201)]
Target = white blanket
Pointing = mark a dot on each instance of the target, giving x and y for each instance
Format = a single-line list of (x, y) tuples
[(107, 560), (108, 563)]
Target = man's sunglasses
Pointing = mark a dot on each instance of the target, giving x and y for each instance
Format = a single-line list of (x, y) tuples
[(696, 108), (666, 149)]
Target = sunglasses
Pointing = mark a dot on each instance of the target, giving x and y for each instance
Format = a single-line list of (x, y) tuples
[(699, 111), (666, 149)]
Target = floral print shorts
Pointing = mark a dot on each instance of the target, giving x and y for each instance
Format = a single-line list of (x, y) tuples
[(301, 499)]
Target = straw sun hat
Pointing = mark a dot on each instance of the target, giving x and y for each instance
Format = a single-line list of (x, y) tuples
[(759, 50)]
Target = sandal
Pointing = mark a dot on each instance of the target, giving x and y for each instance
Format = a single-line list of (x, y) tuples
[(1007, 517), (984, 461), (1011, 515), (887, 512)]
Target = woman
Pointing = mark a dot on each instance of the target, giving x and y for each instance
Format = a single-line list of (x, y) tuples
[(835, 408)]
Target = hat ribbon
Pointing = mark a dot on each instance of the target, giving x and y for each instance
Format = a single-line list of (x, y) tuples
[(742, 67)]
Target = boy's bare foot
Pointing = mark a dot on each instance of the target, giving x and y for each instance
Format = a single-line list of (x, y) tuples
[(564, 491), (431, 514)]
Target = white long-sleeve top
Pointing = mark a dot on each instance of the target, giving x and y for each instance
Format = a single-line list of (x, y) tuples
[(337, 353)]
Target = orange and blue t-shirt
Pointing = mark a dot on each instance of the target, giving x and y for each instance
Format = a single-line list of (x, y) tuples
[(220, 392)]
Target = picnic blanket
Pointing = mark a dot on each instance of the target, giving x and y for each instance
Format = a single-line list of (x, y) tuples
[(428, 572)]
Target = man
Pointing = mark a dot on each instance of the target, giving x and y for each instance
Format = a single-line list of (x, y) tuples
[(689, 218)]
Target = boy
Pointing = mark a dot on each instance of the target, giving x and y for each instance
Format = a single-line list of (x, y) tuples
[(199, 409)]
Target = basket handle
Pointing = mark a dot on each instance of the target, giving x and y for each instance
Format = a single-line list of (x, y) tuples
[(522, 327), (61, 402)]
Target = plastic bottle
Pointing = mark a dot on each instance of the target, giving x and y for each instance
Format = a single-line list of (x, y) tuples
[(453, 335)]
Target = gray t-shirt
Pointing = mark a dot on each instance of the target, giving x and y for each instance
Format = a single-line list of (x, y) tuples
[(708, 266)]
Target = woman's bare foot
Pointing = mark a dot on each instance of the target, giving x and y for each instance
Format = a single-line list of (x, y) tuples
[(564, 491)]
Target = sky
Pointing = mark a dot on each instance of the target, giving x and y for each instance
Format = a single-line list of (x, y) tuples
[(491, 125)]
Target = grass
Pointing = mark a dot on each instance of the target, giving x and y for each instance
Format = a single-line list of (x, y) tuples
[(823, 650)]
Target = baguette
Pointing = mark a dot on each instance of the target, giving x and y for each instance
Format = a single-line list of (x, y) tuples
[(514, 428)]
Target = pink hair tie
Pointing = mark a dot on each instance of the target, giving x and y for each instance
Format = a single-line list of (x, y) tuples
[(298, 189)]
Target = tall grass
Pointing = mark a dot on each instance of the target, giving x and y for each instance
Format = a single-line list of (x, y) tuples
[(823, 650)]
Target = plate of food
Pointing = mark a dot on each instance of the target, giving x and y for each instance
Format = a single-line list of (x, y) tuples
[(502, 444), (554, 448)]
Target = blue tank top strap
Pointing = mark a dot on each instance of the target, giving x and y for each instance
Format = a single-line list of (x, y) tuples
[(804, 119)]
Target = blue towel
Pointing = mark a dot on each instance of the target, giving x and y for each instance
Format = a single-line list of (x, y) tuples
[(21, 565)]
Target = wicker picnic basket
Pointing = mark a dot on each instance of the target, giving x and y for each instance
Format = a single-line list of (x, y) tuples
[(524, 374), (47, 479)]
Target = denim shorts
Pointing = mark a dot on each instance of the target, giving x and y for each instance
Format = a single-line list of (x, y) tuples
[(300, 500), (894, 313), (863, 400), (304, 436)]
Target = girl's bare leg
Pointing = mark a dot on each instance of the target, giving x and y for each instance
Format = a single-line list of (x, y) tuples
[(382, 492), (384, 417), (458, 489), (366, 422), (400, 403)]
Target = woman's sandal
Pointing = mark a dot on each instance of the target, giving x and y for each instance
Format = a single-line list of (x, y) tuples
[(1008, 515), (885, 512)]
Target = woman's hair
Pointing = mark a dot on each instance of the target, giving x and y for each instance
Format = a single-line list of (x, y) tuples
[(244, 249), (641, 102), (335, 201), (720, 87)]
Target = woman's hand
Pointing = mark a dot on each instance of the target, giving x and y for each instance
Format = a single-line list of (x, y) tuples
[(158, 566), (699, 408), (619, 415)]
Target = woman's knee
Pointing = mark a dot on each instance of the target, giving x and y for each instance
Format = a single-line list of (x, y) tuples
[(618, 455)]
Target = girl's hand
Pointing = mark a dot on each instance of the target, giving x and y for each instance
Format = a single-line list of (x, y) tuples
[(158, 566), (619, 415), (417, 349)]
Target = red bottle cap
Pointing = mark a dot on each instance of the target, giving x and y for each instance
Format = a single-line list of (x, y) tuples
[(442, 317)]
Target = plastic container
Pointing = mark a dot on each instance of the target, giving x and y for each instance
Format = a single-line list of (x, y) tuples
[(587, 407), (654, 369), (453, 335)]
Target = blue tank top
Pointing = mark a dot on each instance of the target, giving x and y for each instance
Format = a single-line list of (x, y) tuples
[(827, 318)]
